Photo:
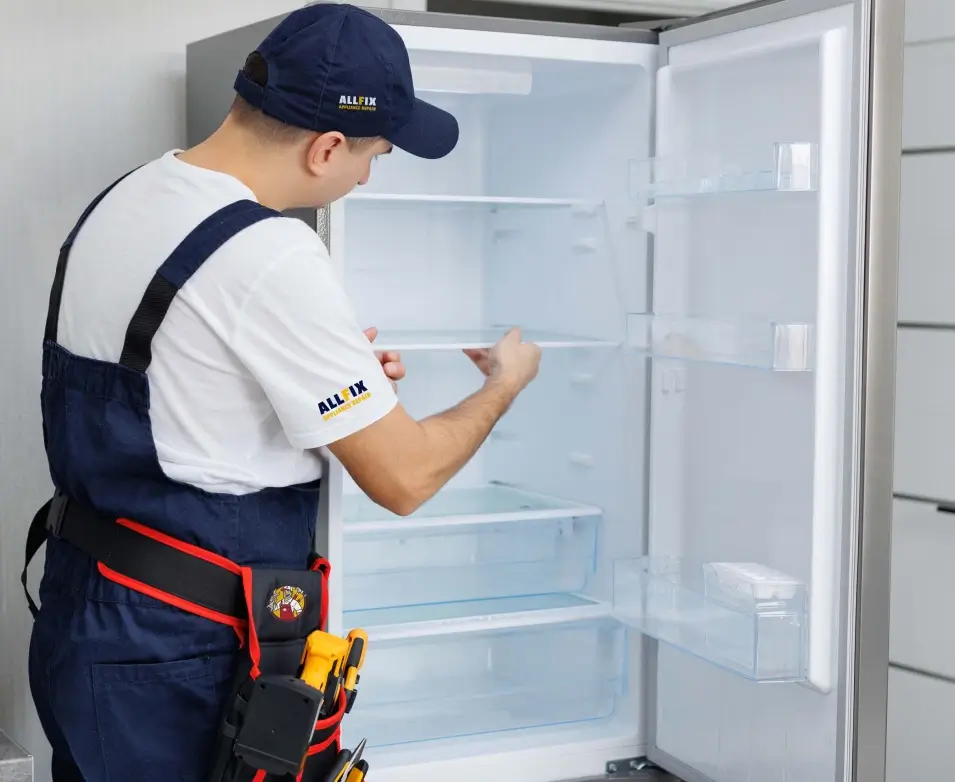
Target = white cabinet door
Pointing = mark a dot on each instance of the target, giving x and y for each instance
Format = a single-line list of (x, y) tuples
[(925, 414), (923, 623), (928, 112), (929, 20), (927, 239), (919, 746)]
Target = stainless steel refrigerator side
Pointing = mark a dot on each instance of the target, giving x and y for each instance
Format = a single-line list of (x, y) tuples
[(211, 66), (866, 691)]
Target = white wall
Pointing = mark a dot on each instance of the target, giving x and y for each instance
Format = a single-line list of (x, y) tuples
[(90, 90), (922, 651)]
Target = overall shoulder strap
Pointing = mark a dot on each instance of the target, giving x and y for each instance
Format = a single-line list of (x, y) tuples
[(56, 290), (185, 260)]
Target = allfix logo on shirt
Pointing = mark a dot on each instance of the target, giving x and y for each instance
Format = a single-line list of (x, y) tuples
[(287, 603), (344, 400)]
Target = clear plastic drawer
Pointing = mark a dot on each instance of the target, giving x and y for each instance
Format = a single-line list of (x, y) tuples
[(743, 617), (452, 686), (468, 559)]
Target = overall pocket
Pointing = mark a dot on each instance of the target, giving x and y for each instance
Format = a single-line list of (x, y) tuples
[(158, 721)]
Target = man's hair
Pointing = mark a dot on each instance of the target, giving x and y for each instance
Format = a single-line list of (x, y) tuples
[(268, 129)]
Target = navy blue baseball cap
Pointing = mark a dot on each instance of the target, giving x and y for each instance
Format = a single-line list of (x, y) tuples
[(337, 67)]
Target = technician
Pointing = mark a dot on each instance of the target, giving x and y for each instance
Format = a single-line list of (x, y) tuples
[(193, 339)]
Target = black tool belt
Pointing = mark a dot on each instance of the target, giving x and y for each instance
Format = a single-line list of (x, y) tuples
[(274, 726)]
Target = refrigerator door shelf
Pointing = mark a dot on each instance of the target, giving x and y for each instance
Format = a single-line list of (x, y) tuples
[(472, 616), (418, 201), (494, 681), (480, 338), (488, 504), (467, 562), (793, 167), (744, 617), (780, 347)]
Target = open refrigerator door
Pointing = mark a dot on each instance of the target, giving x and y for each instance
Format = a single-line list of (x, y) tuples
[(754, 200)]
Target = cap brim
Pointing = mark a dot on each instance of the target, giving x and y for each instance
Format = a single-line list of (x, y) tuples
[(430, 133)]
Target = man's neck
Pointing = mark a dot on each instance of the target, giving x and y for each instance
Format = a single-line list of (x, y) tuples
[(228, 153)]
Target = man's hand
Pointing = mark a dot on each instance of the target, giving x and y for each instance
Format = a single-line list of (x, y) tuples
[(390, 360), (511, 362), (401, 463)]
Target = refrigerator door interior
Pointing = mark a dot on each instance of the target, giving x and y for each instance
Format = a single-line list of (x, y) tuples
[(493, 647), (751, 201)]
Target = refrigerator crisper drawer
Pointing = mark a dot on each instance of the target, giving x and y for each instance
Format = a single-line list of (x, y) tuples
[(458, 685), (743, 617), (467, 545)]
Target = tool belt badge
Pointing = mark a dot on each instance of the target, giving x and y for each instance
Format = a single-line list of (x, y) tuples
[(287, 603)]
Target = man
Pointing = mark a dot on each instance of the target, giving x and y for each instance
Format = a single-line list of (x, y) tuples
[(190, 340)]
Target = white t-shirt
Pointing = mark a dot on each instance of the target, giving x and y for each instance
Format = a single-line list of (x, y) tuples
[(260, 357)]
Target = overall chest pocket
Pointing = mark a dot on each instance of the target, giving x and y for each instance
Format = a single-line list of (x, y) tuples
[(158, 722)]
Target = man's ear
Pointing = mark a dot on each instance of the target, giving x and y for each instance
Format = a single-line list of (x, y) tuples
[(322, 148)]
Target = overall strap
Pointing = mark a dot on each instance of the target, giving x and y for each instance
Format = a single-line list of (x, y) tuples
[(185, 260), (56, 290)]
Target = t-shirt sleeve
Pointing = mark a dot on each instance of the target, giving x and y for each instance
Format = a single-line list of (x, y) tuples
[(298, 335)]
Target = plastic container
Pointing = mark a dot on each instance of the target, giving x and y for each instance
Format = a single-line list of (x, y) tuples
[(466, 684), (743, 617), (475, 560)]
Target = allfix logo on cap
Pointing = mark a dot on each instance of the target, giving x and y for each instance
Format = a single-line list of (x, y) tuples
[(358, 103), (287, 603)]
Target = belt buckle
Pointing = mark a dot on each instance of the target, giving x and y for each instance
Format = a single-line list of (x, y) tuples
[(57, 513)]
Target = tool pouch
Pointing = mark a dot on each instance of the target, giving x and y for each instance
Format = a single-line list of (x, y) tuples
[(272, 730)]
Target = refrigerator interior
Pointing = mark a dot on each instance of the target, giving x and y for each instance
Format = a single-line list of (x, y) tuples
[(490, 609)]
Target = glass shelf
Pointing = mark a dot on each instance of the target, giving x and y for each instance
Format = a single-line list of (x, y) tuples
[(468, 562), (416, 199), (781, 347), (478, 505), (792, 168), (743, 617), (479, 338), (455, 618), (492, 681)]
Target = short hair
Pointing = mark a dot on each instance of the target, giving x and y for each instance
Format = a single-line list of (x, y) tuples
[(266, 128)]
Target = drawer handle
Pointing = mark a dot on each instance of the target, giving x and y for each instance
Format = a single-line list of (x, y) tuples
[(945, 508)]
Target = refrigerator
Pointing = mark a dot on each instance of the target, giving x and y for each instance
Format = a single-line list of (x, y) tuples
[(673, 550)]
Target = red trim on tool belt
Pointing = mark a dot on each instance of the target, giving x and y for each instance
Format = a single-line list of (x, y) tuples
[(336, 736), (316, 748), (255, 653), (186, 548), (325, 568), (339, 714), (138, 586)]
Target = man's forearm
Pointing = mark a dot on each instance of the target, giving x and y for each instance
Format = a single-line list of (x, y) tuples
[(454, 436)]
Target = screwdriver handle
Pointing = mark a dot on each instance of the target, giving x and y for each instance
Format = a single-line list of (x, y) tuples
[(359, 772), (358, 644)]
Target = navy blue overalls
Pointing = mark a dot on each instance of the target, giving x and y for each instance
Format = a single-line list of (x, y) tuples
[(143, 640)]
